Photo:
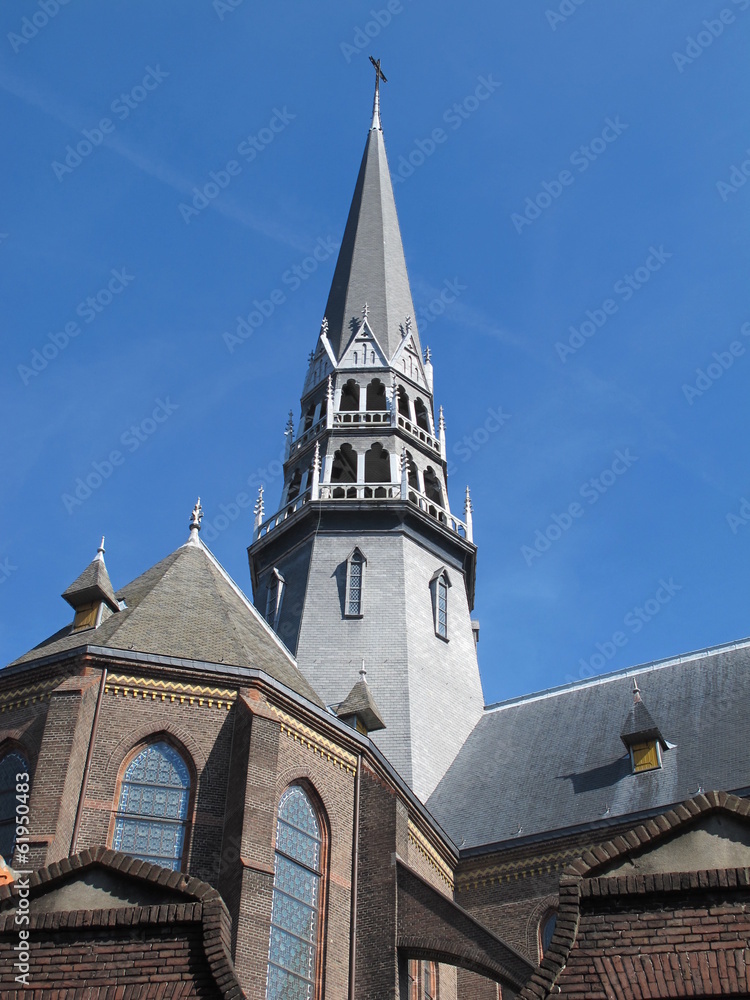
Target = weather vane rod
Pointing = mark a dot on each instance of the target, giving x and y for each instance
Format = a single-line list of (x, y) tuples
[(379, 75)]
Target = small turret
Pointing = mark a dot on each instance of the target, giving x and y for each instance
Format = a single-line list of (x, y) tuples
[(91, 595), (359, 710)]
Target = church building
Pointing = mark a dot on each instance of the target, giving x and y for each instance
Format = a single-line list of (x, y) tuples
[(301, 795)]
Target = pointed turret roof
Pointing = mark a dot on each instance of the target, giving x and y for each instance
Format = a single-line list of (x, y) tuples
[(371, 268), (360, 702), (92, 585), (639, 724), (187, 607)]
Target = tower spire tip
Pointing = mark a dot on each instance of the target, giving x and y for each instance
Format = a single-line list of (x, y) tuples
[(379, 75)]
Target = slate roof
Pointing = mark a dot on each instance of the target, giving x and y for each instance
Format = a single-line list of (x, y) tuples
[(188, 607), (555, 760), (371, 267)]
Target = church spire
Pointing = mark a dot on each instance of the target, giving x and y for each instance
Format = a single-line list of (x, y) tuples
[(371, 266)]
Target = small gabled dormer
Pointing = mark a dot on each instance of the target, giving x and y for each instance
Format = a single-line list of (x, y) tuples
[(359, 710), (91, 596), (642, 736)]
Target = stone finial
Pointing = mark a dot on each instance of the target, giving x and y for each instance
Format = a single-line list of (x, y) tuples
[(441, 434), (259, 510), (468, 516), (100, 551), (636, 691), (404, 463), (311, 357), (324, 327), (407, 325), (196, 517), (289, 435), (315, 485), (365, 311), (427, 356)]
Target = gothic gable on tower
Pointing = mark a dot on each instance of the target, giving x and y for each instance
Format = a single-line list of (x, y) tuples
[(408, 361), (363, 350)]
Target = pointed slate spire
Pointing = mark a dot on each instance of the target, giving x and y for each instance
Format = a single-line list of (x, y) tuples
[(371, 266), (93, 586)]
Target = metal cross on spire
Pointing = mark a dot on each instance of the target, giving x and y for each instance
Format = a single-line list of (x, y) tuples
[(379, 75)]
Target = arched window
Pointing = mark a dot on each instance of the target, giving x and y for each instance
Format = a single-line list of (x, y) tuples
[(151, 817), (355, 578), (297, 890), (403, 402), (14, 770), (546, 930), (439, 585), (420, 412), (432, 488), (377, 464), (349, 396), (411, 471), (376, 395), (274, 596), (309, 417), (344, 468)]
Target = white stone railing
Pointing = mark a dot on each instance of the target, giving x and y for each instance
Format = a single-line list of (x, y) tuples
[(419, 433), (310, 433), (359, 417), (359, 491), (367, 491)]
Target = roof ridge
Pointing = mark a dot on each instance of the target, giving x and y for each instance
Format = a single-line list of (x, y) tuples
[(640, 668)]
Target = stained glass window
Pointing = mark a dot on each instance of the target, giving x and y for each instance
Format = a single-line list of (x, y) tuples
[(546, 930), (152, 813), (354, 579), (11, 765), (296, 899)]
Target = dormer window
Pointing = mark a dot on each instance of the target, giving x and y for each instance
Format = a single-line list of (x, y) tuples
[(642, 737), (355, 579), (86, 616), (274, 596), (645, 756)]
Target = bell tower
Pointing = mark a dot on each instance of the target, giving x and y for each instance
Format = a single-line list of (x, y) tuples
[(364, 562)]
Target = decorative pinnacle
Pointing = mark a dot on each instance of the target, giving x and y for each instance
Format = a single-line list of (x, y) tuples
[(427, 356), (100, 551), (407, 324), (290, 423), (363, 672), (324, 326), (379, 75), (365, 311), (636, 691), (311, 357), (258, 508), (196, 516), (329, 389), (468, 506), (316, 457)]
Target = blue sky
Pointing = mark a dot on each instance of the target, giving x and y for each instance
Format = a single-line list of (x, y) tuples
[(598, 181)]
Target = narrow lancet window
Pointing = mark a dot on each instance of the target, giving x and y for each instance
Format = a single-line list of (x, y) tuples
[(15, 783), (355, 578)]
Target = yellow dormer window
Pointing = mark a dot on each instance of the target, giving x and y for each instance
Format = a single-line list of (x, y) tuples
[(645, 756), (85, 617)]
